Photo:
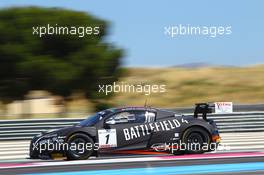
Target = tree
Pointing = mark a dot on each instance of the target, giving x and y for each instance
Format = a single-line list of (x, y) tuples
[(59, 63)]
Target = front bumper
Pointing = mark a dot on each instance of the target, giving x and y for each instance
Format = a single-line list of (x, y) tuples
[(47, 147)]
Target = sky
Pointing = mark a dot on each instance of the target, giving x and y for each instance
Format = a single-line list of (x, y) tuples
[(138, 27)]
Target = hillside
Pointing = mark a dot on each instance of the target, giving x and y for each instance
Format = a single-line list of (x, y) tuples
[(185, 86)]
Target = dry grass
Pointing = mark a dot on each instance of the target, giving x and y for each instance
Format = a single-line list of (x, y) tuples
[(184, 86)]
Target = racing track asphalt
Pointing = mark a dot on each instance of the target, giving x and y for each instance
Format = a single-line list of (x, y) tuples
[(167, 164)]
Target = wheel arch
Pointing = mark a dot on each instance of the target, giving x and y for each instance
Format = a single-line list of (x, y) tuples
[(196, 126), (81, 132)]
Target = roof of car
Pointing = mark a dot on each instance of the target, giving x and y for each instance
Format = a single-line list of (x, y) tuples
[(129, 108), (160, 112)]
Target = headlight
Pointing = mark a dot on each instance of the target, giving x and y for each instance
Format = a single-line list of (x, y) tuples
[(40, 134), (46, 132), (51, 135)]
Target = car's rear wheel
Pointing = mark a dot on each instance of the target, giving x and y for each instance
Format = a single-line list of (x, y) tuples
[(81, 147), (196, 140)]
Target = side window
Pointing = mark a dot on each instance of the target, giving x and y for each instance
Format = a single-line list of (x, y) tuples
[(130, 117), (140, 117), (123, 117)]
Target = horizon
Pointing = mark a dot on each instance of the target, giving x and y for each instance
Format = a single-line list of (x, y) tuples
[(193, 65)]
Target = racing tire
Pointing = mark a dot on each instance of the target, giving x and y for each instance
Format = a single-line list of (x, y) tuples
[(79, 154), (195, 139)]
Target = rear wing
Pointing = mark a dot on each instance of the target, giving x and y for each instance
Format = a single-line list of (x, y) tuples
[(217, 107), (203, 109)]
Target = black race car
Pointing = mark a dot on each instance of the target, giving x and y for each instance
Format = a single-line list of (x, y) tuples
[(130, 130)]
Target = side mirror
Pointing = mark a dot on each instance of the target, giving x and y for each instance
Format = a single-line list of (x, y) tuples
[(110, 122)]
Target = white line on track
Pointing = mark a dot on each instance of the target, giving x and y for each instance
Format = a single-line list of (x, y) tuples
[(141, 159)]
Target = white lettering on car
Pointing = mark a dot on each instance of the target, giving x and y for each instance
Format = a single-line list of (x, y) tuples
[(126, 133), (146, 129)]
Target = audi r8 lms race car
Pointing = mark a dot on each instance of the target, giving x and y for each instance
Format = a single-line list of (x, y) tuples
[(120, 130)]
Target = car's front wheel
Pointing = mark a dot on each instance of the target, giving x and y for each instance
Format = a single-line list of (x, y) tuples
[(81, 147), (196, 140)]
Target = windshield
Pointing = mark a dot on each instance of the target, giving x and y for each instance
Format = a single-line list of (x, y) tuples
[(91, 120)]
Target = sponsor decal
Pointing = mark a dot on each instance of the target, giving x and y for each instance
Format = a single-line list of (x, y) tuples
[(107, 138), (223, 107), (146, 129)]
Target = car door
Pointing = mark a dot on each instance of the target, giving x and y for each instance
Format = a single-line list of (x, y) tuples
[(126, 130)]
